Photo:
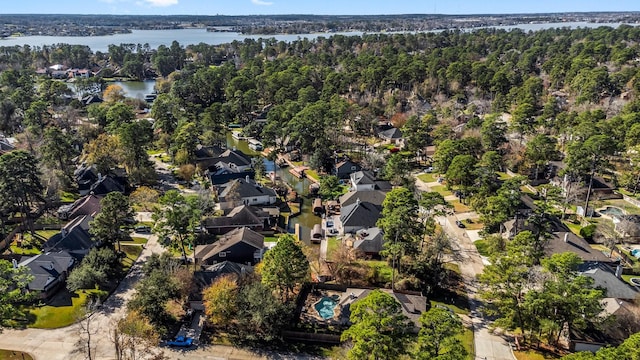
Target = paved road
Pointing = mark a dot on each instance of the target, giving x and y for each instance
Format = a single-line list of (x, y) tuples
[(487, 345)]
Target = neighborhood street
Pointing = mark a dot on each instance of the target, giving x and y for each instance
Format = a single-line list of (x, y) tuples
[(487, 345)]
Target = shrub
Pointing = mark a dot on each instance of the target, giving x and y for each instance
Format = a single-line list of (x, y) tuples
[(588, 231)]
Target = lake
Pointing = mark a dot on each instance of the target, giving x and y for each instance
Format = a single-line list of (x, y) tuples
[(185, 37)]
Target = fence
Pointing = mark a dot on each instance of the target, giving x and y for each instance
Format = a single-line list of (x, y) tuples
[(6, 242)]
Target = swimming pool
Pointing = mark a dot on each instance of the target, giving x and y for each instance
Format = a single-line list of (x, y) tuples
[(611, 210), (325, 307)]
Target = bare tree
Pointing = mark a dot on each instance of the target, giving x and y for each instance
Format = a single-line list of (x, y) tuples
[(87, 329), (134, 338)]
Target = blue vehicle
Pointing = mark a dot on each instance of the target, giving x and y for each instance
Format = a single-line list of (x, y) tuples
[(181, 341)]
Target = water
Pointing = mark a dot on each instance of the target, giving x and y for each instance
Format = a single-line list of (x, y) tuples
[(155, 38), (185, 37), (325, 307), (306, 219), (132, 89), (136, 89)]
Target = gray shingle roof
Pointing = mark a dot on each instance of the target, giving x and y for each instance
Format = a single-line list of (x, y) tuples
[(245, 189), (604, 277), (47, 268), (230, 239), (375, 197), (360, 214)]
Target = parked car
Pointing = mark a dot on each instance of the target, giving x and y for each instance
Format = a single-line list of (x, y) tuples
[(460, 224), (143, 229), (181, 341)]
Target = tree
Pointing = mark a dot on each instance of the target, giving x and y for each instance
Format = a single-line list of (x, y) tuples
[(58, 153), (220, 300), (151, 297), (437, 338), (492, 133), (133, 140), (119, 114), (261, 316), (462, 172), (115, 212), (539, 151), (378, 328), (145, 197), (20, 186), (103, 152), (176, 220), (134, 337), (285, 266), (330, 187), (96, 269), (397, 169), (13, 286), (400, 223), (113, 94)]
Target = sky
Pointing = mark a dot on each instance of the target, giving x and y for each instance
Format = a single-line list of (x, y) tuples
[(317, 7)]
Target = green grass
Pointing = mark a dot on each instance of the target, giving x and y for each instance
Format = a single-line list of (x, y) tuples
[(428, 178), (47, 234), (53, 317), (454, 308), (68, 197), (442, 190), (271, 238), (135, 240), (467, 341), (312, 174), (14, 355), (459, 207), (132, 252), (482, 247), (154, 152), (628, 278), (332, 246), (473, 224), (385, 271), (575, 228), (24, 251)]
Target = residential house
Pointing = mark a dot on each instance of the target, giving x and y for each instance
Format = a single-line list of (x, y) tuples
[(241, 245), (344, 169), (628, 227), (229, 165), (240, 216), (367, 241), (606, 278), (209, 274), (367, 180), (245, 191), (90, 181), (390, 134), (86, 205), (357, 216), (49, 271), (566, 241), (105, 185), (6, 145), (413, 304), (375, 197), (73, 238)]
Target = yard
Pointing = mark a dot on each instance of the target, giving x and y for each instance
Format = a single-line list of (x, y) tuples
[(428, 178), (132, 252), (64, 309), (442, 190), (459, 207)]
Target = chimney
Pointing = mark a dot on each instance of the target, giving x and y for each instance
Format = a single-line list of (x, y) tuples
[(247, 179), (50, 265), (619, 271), (566, 237), (15, 263)]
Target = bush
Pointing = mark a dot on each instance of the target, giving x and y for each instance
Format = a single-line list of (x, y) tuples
[(588, 231)]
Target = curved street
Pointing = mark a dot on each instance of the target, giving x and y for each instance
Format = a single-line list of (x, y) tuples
[(487, 345)]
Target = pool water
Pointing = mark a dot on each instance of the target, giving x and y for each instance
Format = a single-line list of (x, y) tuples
[(325, 307), (610, 210)]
